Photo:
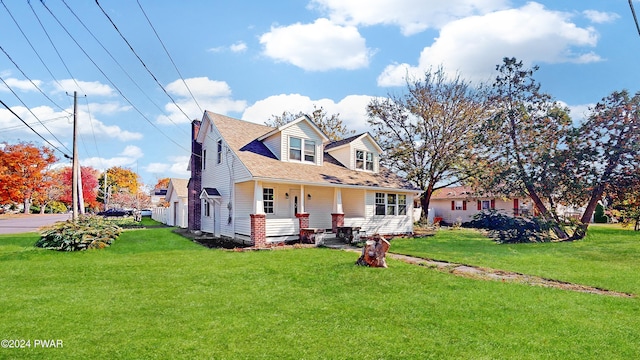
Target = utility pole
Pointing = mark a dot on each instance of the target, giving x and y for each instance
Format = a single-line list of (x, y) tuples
[(74, 165)]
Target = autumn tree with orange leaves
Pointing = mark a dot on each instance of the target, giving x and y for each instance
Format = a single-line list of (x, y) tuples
[(23, 167)]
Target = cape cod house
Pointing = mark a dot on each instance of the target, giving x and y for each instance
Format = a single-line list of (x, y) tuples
[(261, 184)]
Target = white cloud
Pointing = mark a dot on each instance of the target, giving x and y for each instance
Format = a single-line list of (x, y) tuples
[(412, 16), (600, 17), (60, 124), (238, 47), (211, 95), (22, 85), (176, 165), (320, 46), (475, 45), (127, 158), (132, 151), (89, 88), (352, 109)]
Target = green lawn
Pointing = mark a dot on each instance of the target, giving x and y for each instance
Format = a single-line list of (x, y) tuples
[(154, 294)]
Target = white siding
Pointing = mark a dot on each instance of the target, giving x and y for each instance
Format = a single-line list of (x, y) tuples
[(353, 203), (383, 224), (243, 208), (366, 145), (274, 143), (344, 156), (442, 208)]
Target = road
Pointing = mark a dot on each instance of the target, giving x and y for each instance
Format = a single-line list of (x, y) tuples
[(15, 224)]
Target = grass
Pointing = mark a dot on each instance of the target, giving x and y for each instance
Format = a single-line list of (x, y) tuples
[(156, 295)]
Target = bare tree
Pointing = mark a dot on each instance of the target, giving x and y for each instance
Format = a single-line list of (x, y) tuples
[(331, 125), (427, 134)]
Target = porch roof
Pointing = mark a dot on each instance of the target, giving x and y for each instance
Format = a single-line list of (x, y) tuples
[(242, 137)]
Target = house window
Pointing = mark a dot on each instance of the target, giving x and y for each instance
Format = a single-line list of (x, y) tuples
[(380, 204), (402, 204), (219, 154), (391, 204), (267, 200), (486, 204), (364, 160), (458, 205), (206, 208), (310, 151), (295, 149), (204, 159)]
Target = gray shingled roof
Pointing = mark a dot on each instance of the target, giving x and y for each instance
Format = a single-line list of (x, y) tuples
[(241, 137)]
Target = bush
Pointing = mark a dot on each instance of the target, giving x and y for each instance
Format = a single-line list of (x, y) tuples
[(506, 229), (598, 216), (88, 232)]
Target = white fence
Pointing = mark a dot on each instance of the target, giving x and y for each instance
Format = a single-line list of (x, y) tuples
[(169, 217)]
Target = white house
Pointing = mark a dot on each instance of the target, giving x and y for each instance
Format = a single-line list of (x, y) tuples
[(177, 199), (460, 204), (261, 184)]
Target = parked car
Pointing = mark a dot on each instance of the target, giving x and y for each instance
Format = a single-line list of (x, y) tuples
[(146, 212), (113, 212)]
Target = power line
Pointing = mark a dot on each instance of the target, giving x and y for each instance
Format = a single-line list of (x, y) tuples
[(109, 79), (95, 141), (53, 45), (140, 59), (32, 129), (170, 58), (30, 111), (30, 44), (33, 83), (635, 18), (121, 67), (16, 127)]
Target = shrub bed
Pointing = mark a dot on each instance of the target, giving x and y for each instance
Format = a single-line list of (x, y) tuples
[(87, 232)]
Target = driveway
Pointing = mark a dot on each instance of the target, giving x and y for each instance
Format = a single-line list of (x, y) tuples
[(14, 224)]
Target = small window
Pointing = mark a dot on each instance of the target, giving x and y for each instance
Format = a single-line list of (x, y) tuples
[(364, 160), (391, 204), (207, 209), (402, 204), (369, 161), (310, 150), (204, 159), (359, 159), (458, 205), (486, 204), (219, 157), (295, 149), (267, 200), (380, 204)]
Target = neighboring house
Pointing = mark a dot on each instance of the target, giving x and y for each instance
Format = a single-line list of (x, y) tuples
[(177, 199), (459, 204), (260, 184), (157, 196)]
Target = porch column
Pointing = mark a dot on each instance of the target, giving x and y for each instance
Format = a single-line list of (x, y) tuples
[(259, 230), (303, 196), (337, 216), (303, 221), (258, 218)]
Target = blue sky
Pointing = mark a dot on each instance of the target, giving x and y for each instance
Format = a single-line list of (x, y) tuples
[(253, 59)]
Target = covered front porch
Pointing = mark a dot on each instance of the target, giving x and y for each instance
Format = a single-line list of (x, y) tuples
[(283, 212)]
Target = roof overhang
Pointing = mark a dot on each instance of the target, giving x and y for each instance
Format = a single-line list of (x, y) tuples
[(210, 194)]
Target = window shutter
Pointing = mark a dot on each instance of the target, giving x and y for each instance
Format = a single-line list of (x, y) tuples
[(493, 203), (453, 205), (464, 205), (479, 205)]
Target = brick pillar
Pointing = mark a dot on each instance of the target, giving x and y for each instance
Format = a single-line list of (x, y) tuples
[(259, 230), (304, 222), (336, 221)]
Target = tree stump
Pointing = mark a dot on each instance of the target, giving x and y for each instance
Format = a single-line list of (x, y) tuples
[(374, 252)]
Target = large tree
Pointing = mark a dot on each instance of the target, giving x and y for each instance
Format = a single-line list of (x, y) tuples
[(89, 177), (119, 179), (23, 167), (331, 125), (605, 155), (427, 133), (522, 140)]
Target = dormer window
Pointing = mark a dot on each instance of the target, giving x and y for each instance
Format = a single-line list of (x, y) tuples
[(364, 160), (296, 146)]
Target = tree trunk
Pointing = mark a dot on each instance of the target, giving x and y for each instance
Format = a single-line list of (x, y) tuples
[(425, 199), (27, 206), (560, 233), (581, 230)]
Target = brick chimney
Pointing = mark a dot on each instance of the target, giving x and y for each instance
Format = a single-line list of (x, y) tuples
[(195, 182)]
